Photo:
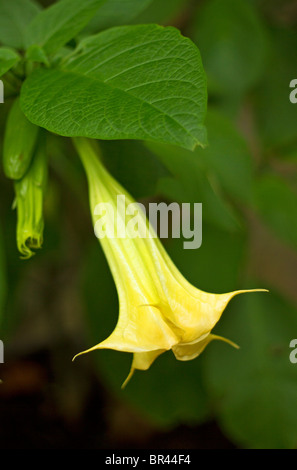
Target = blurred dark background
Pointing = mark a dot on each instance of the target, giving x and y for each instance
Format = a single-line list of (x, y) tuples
[(63, 300)]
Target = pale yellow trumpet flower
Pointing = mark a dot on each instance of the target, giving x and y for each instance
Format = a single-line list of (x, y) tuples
[(159, 309)]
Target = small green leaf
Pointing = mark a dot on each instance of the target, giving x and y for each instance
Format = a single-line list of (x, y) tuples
[(15, 15), (54, 27), (37, 54), (136, 82), (8, 58)]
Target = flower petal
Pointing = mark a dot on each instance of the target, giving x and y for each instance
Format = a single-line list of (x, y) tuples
[(142, 361), (189, 351)]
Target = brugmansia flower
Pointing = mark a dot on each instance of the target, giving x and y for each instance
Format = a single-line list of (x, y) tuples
[(159, 309), (29, 203)]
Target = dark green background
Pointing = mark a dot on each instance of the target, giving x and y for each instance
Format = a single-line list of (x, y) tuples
[(63, 300)]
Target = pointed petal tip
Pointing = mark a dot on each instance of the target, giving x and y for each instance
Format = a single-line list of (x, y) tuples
[(258, 290), (246, 291), (225, 340), (76, 355), (85, 352), (250, 290), (128, 378)]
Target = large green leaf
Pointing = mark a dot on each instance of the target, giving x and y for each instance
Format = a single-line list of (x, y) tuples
[(233, 44), (130, 82), (62, 21), (116, 12), (15, 16), (8, 58), (254, 389)]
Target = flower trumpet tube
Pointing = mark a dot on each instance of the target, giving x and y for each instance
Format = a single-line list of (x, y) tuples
[(159, 310)]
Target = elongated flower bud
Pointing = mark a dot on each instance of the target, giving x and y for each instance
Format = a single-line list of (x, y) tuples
[(159, 309), (29, 203), (19, 143)]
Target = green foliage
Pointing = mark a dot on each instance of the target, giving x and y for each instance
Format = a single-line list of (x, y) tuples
[(227, 158), (216, 175), (217, 265), (15, 16), (115, 86), (116, 12), (254, 390), (123, 12), (190, 182), (18, 147), (276, 201), (233, 44), (55, 26), (37, 54), (141, 89), (161, 12), (134, 166), (8, 58), (276, 116)]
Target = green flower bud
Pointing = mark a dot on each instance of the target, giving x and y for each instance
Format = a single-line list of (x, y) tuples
[(29, 203)]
